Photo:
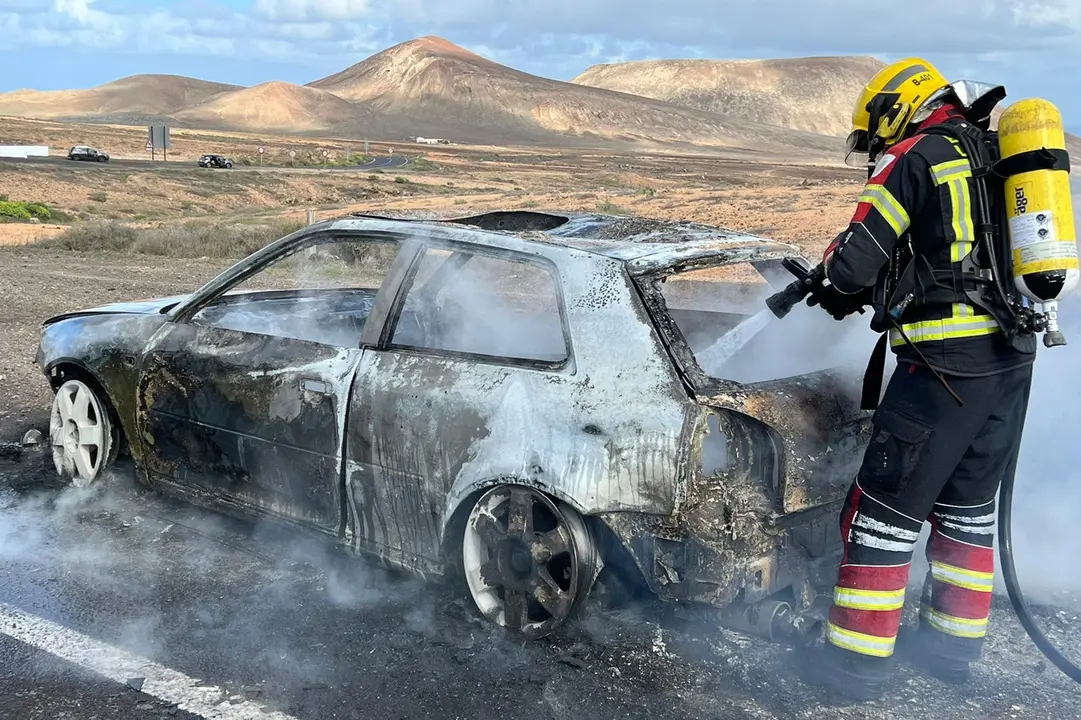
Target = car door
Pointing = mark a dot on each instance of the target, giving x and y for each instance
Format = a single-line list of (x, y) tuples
[(243, 394), (476, 333)]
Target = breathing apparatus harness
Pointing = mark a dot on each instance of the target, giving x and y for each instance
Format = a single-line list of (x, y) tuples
[(986, 274)]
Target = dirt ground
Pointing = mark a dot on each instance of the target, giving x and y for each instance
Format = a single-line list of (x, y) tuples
[(805, 204)]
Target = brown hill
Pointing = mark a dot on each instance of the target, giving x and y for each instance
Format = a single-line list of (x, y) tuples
[(813, 94), (276, 107), (435, 87), (138, 95)]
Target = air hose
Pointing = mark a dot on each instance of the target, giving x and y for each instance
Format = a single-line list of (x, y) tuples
[(1009, 575)]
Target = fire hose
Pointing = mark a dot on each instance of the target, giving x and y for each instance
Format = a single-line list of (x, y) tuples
[(780, 304)]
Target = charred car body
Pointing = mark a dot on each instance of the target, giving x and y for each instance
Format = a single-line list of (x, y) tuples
[(215, 161), (535, 403)]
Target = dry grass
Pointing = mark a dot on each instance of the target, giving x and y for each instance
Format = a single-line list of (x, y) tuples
[(191, 239)]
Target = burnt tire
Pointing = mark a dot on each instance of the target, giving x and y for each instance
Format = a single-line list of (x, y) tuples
[(528, 561), (83, 436)]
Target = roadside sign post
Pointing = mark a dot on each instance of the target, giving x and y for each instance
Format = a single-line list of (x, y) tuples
[(150, 147), (367, 150), (326, 154), (292, 157), (158, 138), (261, 151)]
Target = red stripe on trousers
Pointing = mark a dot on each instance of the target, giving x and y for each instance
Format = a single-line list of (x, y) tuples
[(870, 577), (949, 551), (960, 602), (848, 516), (880, 623)]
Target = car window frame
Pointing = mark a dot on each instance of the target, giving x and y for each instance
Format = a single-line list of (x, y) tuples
[(298, 241), (405, 285)]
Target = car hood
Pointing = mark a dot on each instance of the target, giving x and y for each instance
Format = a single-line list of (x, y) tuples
[(133, 307)]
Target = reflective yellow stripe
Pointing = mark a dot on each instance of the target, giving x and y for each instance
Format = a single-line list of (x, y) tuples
[(956, 145), (963, 232), (868, 599), (951, 170), (956, 626), (946, 328), (888, 207), (860, 643), (959, 577), (954, 174)]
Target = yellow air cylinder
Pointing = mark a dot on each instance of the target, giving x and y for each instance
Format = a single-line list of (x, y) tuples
[(1039, 207)]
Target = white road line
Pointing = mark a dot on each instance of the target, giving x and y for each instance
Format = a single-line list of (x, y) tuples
[(206, 701)]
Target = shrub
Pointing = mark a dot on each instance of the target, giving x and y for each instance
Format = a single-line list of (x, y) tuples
[(39, 210), (98, 197), (188, 240), (15, 210)]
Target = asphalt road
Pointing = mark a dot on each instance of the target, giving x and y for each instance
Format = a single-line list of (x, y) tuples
[(389, 161), (120, 603)]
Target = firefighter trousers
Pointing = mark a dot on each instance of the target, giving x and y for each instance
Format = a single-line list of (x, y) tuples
[(928, 459)]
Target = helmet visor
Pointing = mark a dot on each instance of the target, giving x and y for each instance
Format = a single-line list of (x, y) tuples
[(856, 149)]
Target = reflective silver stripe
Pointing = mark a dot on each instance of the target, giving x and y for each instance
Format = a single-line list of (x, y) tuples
[(973, 529), (959, 577), (874, 541), (860, 643), (989, 518), (906, 74), (878, 526), (954, 170), (958, 627), (868, 599)]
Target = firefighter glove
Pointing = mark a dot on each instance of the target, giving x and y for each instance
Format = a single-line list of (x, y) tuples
[(837, 304)]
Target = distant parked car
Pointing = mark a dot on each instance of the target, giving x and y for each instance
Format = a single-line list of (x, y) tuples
[(82, 152), (215, 161)]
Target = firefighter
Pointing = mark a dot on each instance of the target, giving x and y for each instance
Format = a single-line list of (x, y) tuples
[(949, 424)]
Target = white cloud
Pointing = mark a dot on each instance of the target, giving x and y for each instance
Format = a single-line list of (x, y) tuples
[(302, 10), (1017, 42)]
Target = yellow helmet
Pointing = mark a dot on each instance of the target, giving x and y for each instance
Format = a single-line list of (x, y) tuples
[(894, 98)]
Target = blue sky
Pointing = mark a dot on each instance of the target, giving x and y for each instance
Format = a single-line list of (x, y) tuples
[(1032, 46)]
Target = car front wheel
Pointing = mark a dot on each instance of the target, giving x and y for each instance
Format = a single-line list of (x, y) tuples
[(528, 561), (81, 433)]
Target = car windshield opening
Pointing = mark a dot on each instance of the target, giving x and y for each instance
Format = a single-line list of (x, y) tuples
[(721, 313)]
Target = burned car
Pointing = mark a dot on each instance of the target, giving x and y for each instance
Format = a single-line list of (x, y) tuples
[(537, 405), (215, 161)]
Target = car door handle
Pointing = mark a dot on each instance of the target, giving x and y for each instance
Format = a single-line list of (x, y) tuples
[(316, 386)]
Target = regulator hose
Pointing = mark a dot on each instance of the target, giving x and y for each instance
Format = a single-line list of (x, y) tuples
[(1009, 575)]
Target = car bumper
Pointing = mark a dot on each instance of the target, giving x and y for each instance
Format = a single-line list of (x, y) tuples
[(685, 563)]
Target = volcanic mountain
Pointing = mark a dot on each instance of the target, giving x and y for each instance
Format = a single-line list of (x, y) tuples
[(438, 88), (277, 107), (813, 94), (138, 96), (431, 87)]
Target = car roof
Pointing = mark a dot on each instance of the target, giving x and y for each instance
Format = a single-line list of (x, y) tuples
[(644, 244)]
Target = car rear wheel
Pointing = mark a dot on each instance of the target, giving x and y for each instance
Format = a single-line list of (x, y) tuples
[(528, 561), (81, 433)]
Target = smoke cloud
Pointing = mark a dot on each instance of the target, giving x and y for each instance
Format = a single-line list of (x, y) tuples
[(754, 346)]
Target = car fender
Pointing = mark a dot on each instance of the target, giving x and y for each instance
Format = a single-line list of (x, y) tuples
[(461, 497)]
